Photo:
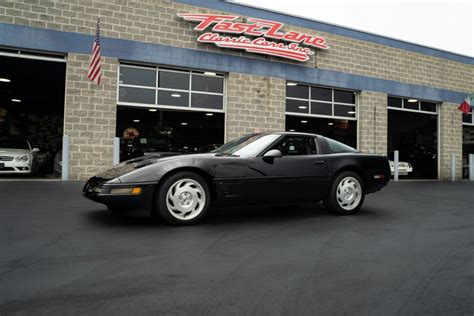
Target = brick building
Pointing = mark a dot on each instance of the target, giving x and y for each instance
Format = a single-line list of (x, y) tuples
[(374, 93)]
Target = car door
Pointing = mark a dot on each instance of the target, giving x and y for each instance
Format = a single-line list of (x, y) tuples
[(300, 175)]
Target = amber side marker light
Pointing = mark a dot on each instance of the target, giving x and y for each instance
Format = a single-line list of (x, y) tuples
[(136, 191)]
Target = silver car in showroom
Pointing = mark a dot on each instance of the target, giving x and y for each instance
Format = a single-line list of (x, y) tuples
[(16, 155)]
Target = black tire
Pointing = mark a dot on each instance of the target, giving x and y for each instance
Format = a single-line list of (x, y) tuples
[(332, 202), (175, 217)]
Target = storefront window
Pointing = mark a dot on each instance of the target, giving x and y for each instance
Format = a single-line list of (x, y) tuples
[(320, 101), (412, 105), (157, 86)]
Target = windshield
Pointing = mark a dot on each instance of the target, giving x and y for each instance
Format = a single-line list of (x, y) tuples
[(16, 142), (247, 146)]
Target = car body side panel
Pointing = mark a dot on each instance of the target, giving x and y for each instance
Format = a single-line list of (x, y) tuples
[(225, 172), (286, 179), (368, 166)]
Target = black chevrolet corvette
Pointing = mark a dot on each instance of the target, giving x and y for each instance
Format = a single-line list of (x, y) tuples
[(256, 169)]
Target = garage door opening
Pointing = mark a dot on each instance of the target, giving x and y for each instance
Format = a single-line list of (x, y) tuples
[(322, 110), (151, 131), (31, 116), (413, 131), (467, 142), (344, 131)]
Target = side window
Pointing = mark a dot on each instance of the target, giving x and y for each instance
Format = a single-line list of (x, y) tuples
[(297, 146), (337, 147)]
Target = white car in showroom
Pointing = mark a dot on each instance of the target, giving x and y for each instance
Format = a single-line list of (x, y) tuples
[(16, 155), (404, 168)]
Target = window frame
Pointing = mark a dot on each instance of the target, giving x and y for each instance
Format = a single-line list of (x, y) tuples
[(156, 88), (285, 137), (332, 103), (412, 110), (471, 113)]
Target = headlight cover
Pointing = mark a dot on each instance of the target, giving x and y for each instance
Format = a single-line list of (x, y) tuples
[(23, 158)]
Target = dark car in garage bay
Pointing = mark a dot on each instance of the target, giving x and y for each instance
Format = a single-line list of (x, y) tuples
[(256, 169)]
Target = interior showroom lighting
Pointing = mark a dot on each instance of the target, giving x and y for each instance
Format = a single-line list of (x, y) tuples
[(136, 121), (291, 84), (302, 107), (4, 80), (184, 123), (412, 100), (152, 110), (209, 73), (16, 100), (209, 114), (176, 95), (304, 122)]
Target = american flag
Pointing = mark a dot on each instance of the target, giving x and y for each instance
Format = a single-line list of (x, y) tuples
[(95, 71)]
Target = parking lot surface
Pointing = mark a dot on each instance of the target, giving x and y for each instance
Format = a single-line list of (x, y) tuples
[(410, 251)]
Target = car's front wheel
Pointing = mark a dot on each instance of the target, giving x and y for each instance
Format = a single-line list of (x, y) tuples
[(347, 194), (182, 199)]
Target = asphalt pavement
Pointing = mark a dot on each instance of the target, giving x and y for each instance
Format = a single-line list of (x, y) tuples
[(410, 251)]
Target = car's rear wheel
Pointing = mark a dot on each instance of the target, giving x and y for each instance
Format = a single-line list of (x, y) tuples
[(182, 199), (347, 194)]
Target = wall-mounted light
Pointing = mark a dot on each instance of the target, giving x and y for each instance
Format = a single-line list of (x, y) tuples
[(4, 80), (291, 84), (176, 95)]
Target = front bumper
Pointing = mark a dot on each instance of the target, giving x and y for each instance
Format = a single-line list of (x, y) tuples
[(15, 167), (101, 191)]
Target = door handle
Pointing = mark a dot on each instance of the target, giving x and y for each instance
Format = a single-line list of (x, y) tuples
[(319, 162)]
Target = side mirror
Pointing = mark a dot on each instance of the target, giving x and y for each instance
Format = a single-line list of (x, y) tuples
[(274, 153), (35, 150)]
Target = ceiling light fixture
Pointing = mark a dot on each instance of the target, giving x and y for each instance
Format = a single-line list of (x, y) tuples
[(209, 73), (412, 100), (292, 130), (16, 100), (136, 121), (176, 95), (152, 110), (330, 123), (209, 114), (302, 107), (291, 84), (4, 80), (184, 123), (304, 122), (351, 112)]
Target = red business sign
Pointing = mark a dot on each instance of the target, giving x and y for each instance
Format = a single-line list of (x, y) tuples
[(262, 35)]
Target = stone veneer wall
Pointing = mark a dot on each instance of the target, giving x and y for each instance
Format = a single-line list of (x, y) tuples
[(90, 116), (450, 130), (254, 103), (156, 22), (372, 122)]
